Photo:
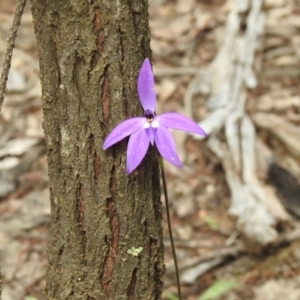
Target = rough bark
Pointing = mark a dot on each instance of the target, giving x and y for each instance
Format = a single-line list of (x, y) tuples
[(90, 53)]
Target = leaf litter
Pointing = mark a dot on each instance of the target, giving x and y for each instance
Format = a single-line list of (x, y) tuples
[(214, 243)]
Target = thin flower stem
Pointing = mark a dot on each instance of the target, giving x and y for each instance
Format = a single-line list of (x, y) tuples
[(161, 164)]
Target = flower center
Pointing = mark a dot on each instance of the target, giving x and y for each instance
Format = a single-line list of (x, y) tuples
[(149, 115)]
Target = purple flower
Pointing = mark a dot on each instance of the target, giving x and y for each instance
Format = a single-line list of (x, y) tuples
[(150, 128)]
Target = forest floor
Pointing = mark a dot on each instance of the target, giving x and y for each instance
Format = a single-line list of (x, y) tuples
[(214, 260)]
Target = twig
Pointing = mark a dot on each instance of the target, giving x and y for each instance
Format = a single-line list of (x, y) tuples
[(9, 48), (190, 262), (190, 244), (161, 72)]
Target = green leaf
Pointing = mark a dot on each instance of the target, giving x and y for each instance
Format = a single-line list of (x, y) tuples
[(168, 295), (211, 222), (217, 289), (30, 298)]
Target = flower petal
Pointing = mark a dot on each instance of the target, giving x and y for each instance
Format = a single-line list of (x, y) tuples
[(151, 131), (166, 146), (145, 86), (180, 122), (122, 130), (136, 150)]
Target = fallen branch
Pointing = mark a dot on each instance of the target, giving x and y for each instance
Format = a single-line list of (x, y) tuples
[(231, 132)]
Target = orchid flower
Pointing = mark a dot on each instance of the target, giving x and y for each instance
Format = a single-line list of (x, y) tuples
[(150, 128)]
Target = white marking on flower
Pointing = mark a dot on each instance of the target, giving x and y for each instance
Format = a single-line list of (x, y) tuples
[(146, 125), (154, 124)]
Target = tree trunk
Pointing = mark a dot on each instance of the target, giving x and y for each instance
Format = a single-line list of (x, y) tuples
[(90, 54)]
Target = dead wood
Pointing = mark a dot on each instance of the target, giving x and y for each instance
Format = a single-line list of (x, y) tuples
[(232, 135)]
